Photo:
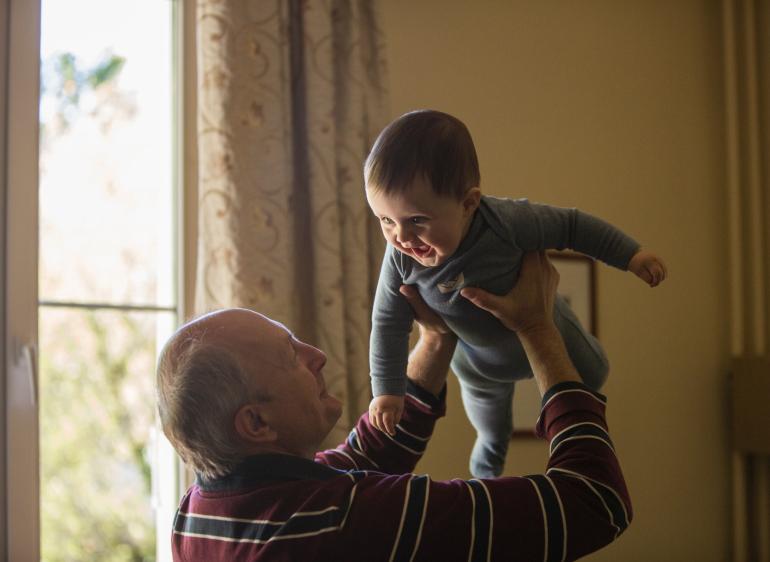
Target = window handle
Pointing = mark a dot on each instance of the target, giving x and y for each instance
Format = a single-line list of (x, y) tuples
[(27, 360)]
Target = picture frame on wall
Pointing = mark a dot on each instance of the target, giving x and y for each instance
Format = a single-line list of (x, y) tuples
[(577, 284)]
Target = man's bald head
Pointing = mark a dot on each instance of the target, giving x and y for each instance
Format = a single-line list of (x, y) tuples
[(233, 383)]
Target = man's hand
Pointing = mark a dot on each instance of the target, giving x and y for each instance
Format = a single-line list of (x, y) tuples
[(648, 267), (529, 305), (385, 412), (527, 309)]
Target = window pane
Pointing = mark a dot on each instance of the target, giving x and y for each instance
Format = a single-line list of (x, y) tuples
[(106, 152), (97, 413)]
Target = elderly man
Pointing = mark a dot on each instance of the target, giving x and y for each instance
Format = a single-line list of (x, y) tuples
[(245, 405)]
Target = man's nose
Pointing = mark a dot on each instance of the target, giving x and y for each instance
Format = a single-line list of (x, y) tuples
[(311, 356), (318, 359)]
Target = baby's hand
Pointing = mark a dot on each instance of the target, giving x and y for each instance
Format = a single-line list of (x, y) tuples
[(648, 267), (385, 412)]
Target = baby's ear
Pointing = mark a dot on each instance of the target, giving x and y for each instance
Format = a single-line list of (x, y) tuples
[(472, 199)]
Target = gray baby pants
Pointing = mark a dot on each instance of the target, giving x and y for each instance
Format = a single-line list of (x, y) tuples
[(488, 400)]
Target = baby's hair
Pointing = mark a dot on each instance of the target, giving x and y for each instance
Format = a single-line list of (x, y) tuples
[(425, 143)]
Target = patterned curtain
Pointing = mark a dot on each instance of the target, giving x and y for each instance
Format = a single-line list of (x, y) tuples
[(290, 98)]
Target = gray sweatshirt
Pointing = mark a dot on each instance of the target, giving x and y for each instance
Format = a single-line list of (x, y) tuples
[(489, 257)]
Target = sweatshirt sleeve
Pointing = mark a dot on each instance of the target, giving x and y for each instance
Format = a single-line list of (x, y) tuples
[(368, 448), (544, 227), (391, 323), (577, 506)]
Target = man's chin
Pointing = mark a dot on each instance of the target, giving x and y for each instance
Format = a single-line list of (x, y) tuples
[(334, 407)]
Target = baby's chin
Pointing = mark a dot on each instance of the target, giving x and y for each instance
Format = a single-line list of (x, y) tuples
[(432, 261)]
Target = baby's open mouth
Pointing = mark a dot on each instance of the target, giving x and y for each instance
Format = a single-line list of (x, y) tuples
[(422, 251)]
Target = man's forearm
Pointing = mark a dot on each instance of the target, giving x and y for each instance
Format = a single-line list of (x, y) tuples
[(429, 361), (547, 356)]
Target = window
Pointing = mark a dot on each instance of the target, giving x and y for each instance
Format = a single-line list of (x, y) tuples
[(107, 280)]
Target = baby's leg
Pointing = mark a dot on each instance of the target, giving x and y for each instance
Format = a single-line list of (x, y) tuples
[(488, 405), (489, 410), (584, 349)]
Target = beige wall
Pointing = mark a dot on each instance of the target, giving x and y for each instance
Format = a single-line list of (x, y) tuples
[(616, 108)]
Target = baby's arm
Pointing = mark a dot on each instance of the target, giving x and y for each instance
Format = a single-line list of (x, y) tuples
[(649, 267), (389, 345), (537, 227), (428, 362), (554, 228)]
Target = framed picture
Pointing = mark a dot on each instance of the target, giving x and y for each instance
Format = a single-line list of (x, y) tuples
[(577, 284)]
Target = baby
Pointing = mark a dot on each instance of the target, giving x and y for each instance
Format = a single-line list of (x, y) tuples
[(422, 183)]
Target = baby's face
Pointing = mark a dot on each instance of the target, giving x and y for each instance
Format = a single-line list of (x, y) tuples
[(421, 224)]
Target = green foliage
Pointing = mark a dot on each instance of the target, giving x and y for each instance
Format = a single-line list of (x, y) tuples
[(97, 409), (64, 79), (71, 81), (105, 71)]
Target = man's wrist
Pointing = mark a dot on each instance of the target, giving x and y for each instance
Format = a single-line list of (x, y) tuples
[(547, 356), (539, 333), (429, 360), (437, 340)]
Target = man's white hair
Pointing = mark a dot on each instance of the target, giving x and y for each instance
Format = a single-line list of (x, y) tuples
[(201, 386)]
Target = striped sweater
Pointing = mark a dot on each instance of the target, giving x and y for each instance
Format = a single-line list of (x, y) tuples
[(361, 502)]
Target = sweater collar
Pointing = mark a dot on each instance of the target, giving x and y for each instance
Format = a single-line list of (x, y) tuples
[(268, 467)]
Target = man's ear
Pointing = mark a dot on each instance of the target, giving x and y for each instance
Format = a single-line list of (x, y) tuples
[(251, 427), (471, 200)]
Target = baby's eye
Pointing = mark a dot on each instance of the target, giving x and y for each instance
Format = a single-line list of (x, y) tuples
[(386, 220), (419, 220)]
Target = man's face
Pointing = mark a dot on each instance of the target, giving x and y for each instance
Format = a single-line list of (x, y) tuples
[(421, 224), (289, 374)]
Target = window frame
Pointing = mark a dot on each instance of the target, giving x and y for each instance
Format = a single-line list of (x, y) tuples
[(20, 27), (4, 29), (21, 75)]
